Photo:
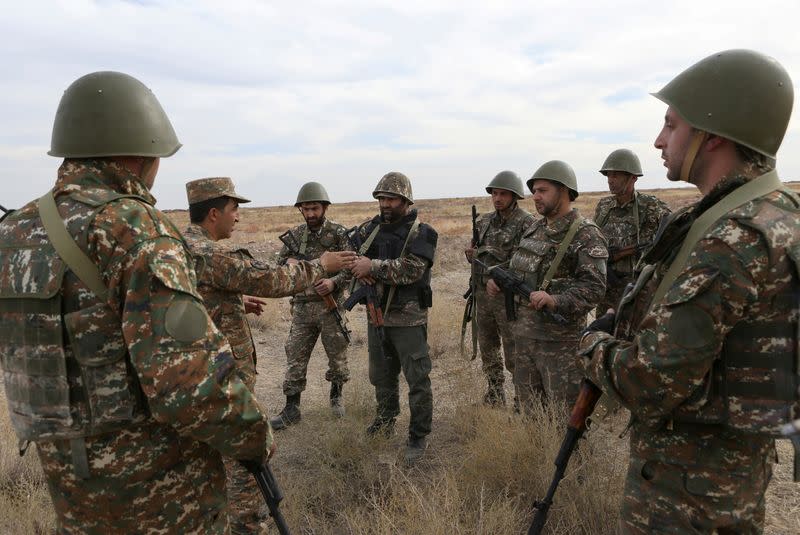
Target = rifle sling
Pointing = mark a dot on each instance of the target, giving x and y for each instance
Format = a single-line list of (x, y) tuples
[(67, 249), (393, 287), (562, 250), (766, 183)]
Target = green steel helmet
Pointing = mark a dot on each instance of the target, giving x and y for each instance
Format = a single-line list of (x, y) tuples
[(556, 171), (507, 180), (741, 95), (394, 183), (111, 114), (622, 160), (312, 192)]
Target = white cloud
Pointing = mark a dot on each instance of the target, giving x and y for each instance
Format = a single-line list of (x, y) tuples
[(275, 94)]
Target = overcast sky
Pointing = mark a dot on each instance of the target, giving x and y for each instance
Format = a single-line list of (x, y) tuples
[(275, 94)]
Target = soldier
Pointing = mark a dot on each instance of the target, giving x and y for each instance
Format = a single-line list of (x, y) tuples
[(499, 233), (223, 275), (704, 354), (111, 363), (398, 254), (310, 315), (629, 221), (563, 256)]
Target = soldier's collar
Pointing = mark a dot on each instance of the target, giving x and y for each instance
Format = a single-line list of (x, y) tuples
[(101, 174)]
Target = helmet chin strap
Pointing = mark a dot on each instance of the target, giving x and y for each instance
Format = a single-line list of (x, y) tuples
[(698, 138)]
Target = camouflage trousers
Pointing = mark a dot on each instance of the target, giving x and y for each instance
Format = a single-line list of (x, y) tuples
[(146, 479), (547, 370), (664, 498), (494, 328), (247, 508), (311, 320), (406, 349)]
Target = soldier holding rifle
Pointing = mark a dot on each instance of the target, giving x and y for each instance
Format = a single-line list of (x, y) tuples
[(498, 233), (316, 312), (629, 221)]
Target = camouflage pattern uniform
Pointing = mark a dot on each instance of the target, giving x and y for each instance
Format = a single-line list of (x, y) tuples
[(310, 318), (406, 322), (498, 238), (164, 389), (689, 473), (545, 362), (223, 275), (620, 229)]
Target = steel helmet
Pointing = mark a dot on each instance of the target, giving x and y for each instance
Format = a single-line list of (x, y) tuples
[(622, 160), (111, 114), (556, 171), (741, 95), (312, 192), (394, 183), (509, 181)]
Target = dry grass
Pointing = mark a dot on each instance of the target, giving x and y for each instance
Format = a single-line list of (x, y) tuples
[(484, 467)]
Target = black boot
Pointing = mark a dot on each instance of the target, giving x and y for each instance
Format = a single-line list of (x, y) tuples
[(381, 426), (495, 395), (289, 415), (337, 407)]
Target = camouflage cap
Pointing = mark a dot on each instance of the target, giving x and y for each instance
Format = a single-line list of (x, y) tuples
[(204, 189)]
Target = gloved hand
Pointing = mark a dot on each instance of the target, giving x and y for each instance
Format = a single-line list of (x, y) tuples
[(604, 323)]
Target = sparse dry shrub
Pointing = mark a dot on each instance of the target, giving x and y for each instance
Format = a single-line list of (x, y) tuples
[(25, 505)]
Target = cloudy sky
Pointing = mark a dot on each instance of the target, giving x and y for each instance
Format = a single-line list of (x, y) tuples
[(275, 94)]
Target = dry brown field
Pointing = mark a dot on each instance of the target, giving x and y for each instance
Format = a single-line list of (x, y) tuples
[(484, 467)]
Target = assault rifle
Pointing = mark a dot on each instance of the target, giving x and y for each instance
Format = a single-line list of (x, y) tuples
[(792, 431), (366, 295), (290, 242), (584, 406), (469, 295), (6, 212), (618, 253), (269, 488), (512, 284)]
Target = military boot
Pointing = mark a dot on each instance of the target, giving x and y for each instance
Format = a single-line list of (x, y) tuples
[(495, 395), (415, 449), (289, 415), (337, 407), (381, 426)]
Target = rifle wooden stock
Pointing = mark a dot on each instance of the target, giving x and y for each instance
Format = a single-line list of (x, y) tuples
[(583, 408), (330, 303)]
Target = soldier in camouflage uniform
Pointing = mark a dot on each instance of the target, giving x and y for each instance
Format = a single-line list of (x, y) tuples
[(705, 349), (629, 221), (310, 315), (563, 256), (110, 362), (398, 254), (223, 276), (499, 233)]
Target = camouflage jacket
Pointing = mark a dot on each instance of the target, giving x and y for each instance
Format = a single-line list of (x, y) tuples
[(183, 372), (659, 365), (620, 228), (223, 275), (331, 236), (577, 285), (499, 237), (411, 269)]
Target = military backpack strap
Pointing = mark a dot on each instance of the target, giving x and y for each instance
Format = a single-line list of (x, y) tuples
[(304, 242), (562, 250), (766, 183), (393, 287), (636, 221), (365, 246), (67, 249)]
